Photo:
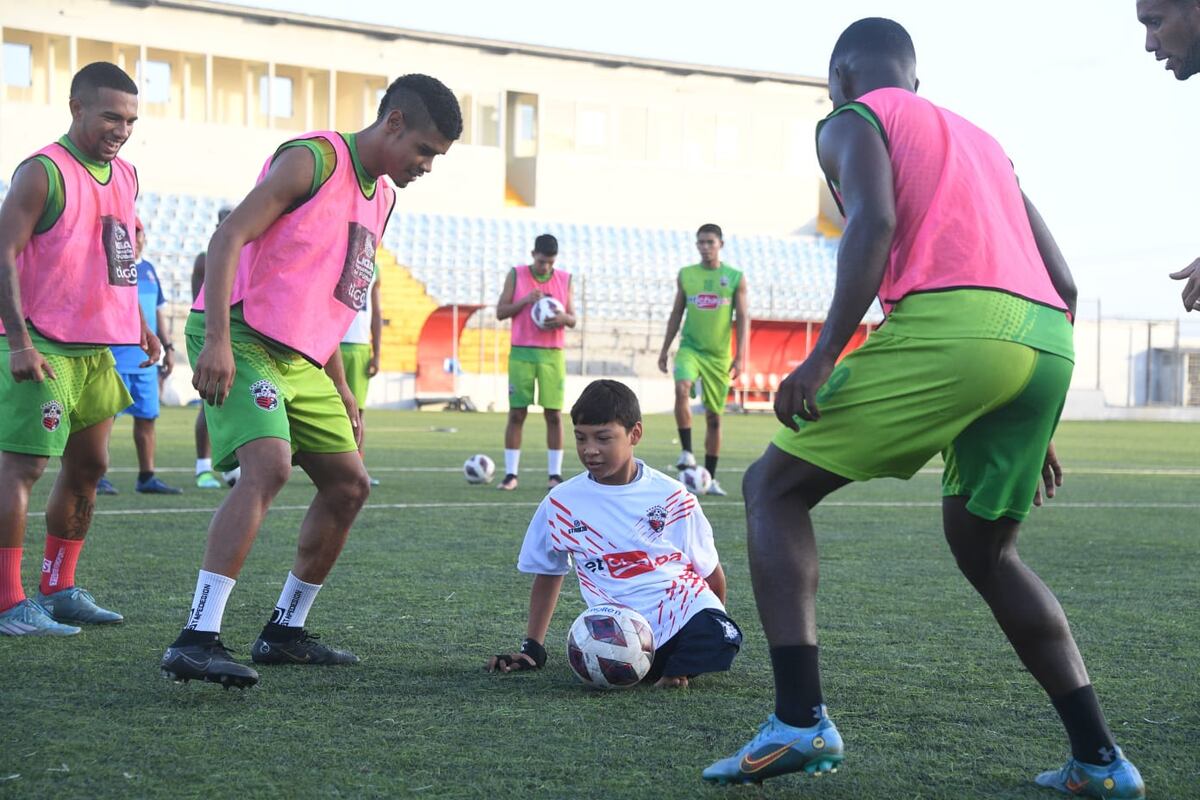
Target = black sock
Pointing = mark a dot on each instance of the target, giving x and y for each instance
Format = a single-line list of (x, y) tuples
[(685, 439), (798, 700), (189, 637), (145, 476), (710, 464), (1091, 740), (272, 632)]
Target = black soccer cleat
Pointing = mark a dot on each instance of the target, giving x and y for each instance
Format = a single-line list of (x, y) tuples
[(304, 649), (206, 661)]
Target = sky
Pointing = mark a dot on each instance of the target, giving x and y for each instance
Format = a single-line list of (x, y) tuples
[(1103, 138)]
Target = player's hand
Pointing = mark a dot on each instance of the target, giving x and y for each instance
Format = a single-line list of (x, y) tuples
[(373, 366), (214, 373), (1191, 290), (509, 662), (1052, 477), (662, 363), (29, 365), (168, 363), (797, 394), (352, 412), (533, 296), (559, 320), (735, 369), (152, 347)]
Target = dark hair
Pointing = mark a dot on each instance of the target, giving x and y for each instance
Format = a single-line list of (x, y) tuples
[(224, 212), (101, 75), (606, 401), (877, 37), (546, 244), (425, 102), (711, 227)]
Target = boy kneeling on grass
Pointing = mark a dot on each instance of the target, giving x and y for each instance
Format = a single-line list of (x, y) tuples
[(636, 538)]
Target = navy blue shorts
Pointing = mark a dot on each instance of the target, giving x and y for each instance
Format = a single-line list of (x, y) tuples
[(143, 388), (707, 643)]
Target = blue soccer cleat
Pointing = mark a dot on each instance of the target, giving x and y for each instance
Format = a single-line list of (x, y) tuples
[(27, 618), (77, 606), (779, 749), (1119, 780), (105, 486), (156, 485)]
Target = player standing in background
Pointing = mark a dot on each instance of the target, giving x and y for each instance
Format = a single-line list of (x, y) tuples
[(1173, 35), (67, 291), (303, 240), (360, 356), (206, 478), (143, 382), (536, 357), (711, 293), (974, 361)]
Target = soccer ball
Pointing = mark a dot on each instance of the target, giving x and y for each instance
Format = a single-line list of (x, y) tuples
[(545, 310), (479, 469), (696, 479), (610, 647)]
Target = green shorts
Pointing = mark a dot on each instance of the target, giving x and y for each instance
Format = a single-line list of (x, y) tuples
[(712, 371), (275, 395), (548, 370), (355, 359), (38, 418), (989, 406)]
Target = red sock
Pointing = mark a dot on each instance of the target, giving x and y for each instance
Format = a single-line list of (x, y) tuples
[(11, 592), (58, 567)]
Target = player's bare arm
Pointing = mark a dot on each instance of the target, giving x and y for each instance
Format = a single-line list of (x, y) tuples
[(336, 371), (287, 182), (1052, 257), (168, 363), (1191, 289), (853, 155), (506, 306), (741, 312), (716, 582), (18, 217), (673, 323), (149, 343), (376, 330), (197, 275), (543, 597), (1052, 477)]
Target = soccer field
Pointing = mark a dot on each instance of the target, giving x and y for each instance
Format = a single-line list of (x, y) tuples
[(930, 699)]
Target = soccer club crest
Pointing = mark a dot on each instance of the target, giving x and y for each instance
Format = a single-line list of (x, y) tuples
[(724, 280), (656, 517), (265, 395), (52, 415)]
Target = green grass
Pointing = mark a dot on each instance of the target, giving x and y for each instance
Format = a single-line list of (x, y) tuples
[(929, 697)]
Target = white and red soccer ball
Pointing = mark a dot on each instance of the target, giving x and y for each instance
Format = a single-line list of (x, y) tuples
[(696, 479), (610, 647), (545, 310), (479, 469)]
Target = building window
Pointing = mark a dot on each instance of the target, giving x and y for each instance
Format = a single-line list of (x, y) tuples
[(280, 98), (591, 132), (489, 124), (154, 79), (18, 65)]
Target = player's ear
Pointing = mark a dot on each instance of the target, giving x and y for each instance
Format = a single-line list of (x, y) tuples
[(635, 433)]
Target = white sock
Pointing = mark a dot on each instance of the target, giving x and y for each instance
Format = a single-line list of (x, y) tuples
[(208, 603), (295, 601), (512, 461), (203, 465), (554, 459)]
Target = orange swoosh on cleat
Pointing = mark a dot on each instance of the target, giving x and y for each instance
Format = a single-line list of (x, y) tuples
[(1074, 787), (750, 764)]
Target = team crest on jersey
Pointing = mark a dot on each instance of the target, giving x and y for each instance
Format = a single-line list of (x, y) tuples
[(52, 415), (724, 280), (657, 517), (266, 396)]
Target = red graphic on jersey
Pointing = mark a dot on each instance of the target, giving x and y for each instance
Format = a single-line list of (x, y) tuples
[(628, 564), (708, 301), (51, 415)]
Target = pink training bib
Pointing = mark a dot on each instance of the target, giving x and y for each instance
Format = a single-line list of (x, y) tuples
[(302, 281), (524, 332), (78, 280)]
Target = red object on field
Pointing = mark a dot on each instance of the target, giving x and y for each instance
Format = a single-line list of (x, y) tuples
[(436, 344)]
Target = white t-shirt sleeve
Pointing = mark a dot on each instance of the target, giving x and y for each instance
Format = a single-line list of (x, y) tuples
[(698, 544), (541, 554)]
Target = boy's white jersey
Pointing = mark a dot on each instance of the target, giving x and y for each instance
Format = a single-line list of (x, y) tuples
[(645, 544)]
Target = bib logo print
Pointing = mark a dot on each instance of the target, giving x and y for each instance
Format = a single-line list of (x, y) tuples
[(357, 271), (52, 415), (118, 250), (265, 395)]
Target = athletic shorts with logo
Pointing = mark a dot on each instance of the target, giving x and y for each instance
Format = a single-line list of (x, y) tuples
[(707, 643), (276, 394), (39, 417), (541, 367), (989, 406), (356, 358), (713, 372)]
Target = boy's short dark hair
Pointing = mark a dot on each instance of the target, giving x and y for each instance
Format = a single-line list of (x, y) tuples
[(426, 103), (606, 401), (711, 227), (546, 244)]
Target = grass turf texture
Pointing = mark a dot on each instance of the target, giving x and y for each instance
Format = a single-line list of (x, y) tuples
[(929, 697)]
